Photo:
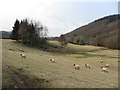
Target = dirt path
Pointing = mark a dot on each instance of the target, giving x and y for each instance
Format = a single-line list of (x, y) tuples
[(23, 81), (19, 79)]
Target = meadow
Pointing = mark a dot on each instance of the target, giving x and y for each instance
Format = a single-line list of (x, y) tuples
[(37, 71)]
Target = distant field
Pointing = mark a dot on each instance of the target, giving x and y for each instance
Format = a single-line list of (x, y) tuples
[(37, 71), (79, 48)]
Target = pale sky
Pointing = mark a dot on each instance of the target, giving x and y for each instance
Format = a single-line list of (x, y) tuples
[(60, 16)]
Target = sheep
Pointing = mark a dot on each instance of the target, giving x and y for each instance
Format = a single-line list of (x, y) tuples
[(101, 61), (106, 65), (23, 55), (100, 58), (77, 67), (87, 65), (104, 69), (52, 60)]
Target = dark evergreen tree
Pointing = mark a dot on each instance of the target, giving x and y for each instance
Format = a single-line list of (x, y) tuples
[(15, 35), (32, 33)]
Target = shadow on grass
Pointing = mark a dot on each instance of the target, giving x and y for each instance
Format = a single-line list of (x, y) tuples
[(82, 54)]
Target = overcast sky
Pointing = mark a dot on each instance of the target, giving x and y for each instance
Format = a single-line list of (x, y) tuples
[(60, 16)]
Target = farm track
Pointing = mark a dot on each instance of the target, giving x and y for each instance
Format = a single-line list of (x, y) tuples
[(21, 81), (17, 77)]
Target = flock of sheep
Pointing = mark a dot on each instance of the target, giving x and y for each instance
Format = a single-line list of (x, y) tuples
[(104, 69), (77, 67)]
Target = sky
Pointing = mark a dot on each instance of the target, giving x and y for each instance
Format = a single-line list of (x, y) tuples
[(60, 16)]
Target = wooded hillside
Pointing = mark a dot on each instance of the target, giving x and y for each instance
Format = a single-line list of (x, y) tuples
[(101, 32)]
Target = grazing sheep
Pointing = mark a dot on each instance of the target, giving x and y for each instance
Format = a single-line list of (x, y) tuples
[(77, 67), (101, 61), (87, 65), (23, 55), (100, 58), (106, 65), (52, 60), (104, 69)]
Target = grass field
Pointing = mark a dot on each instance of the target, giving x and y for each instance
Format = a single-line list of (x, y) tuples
[(37, 71)]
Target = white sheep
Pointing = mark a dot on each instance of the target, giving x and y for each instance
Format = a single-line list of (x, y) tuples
[(87, 65), (52, 60), (106, 65), (77, 67), (104, 69), (23, 55), (100, 58), (101, 61)]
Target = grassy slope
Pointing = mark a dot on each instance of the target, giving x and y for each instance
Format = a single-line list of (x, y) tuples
[(7, 80), (62, 73)]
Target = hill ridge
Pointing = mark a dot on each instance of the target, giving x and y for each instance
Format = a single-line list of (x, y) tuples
[(99, 32)]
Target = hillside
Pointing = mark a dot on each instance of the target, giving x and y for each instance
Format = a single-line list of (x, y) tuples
[(101, 32), (36, 70)]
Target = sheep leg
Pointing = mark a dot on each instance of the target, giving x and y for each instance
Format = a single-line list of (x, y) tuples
[(78, 68)]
